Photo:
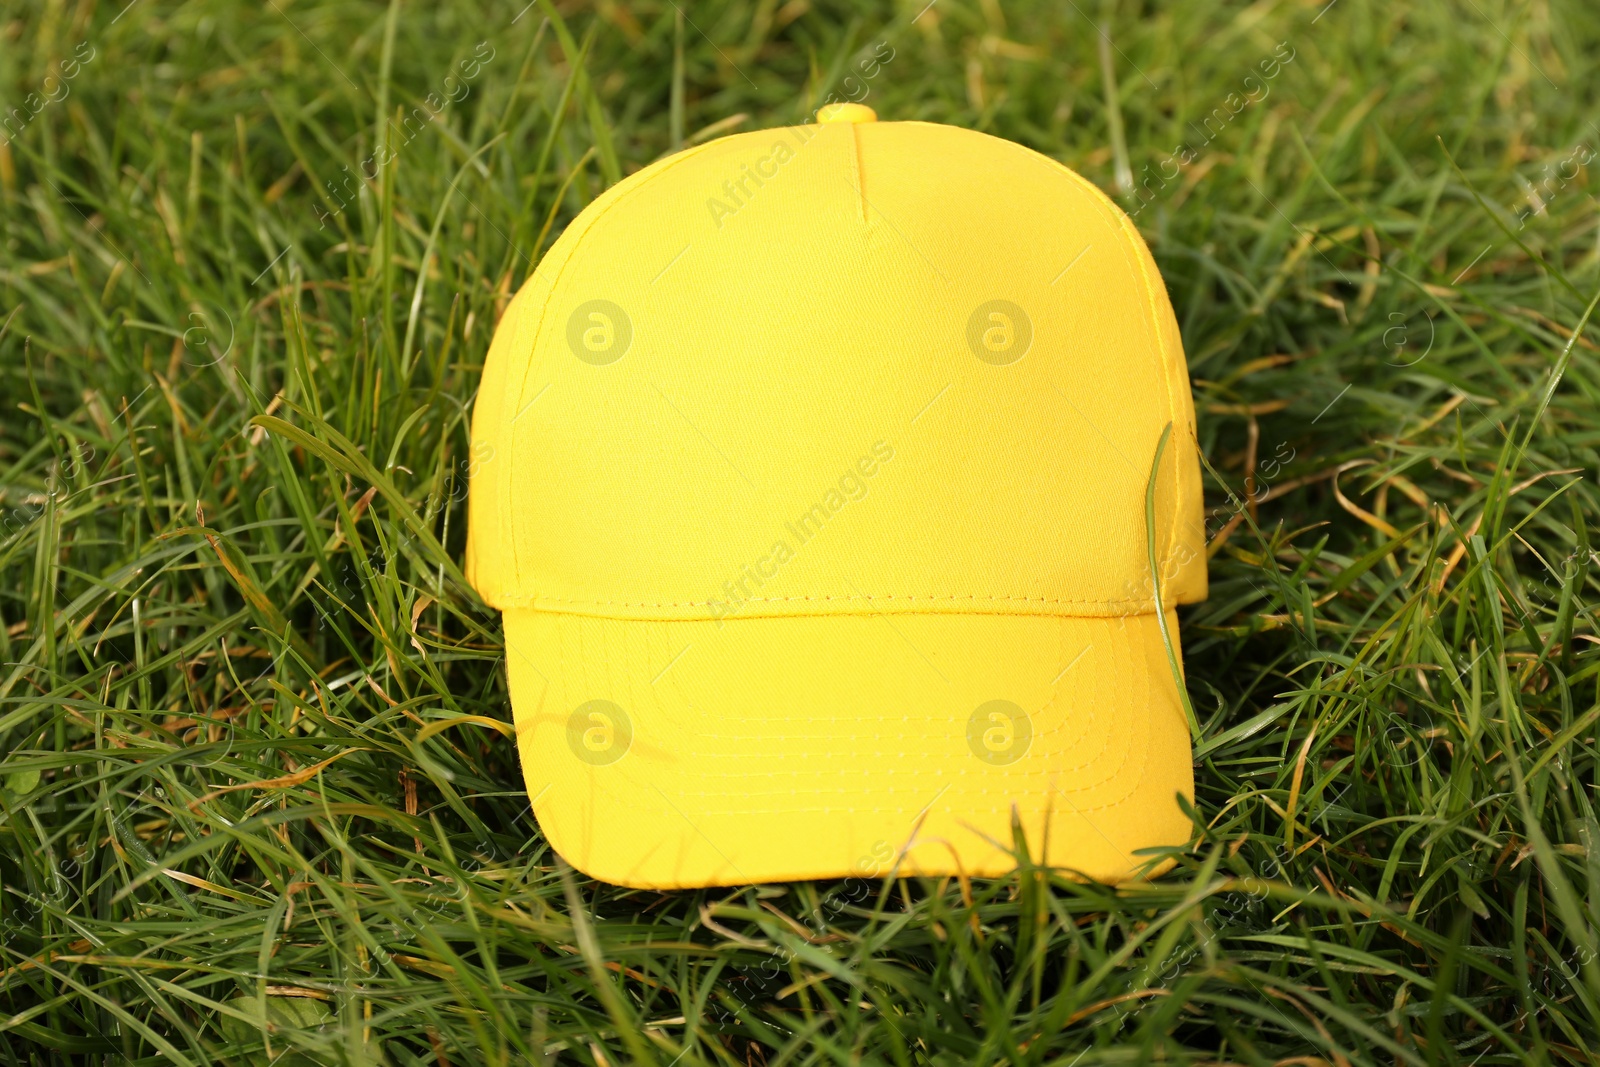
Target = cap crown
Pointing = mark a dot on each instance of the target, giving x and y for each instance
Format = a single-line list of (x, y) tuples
[(851, 368)]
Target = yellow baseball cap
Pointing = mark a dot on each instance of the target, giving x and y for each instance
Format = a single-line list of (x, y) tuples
[(812, 479)]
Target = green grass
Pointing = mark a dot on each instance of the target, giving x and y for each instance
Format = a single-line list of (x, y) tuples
[(224, 639)]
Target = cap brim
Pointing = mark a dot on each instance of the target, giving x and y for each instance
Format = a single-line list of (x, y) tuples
[(672, 754)]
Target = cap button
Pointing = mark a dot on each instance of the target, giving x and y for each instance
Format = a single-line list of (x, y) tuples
[(846, 113)]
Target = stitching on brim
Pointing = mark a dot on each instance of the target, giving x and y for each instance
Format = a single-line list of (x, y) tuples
[(1136, 778)]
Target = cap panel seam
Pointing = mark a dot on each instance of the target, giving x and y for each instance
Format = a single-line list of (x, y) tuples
[(856, 170)]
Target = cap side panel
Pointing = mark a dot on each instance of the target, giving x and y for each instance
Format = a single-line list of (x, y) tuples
[(488, 567), (1185, 577), (495, 572), (583, 224), (1184, 560)]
